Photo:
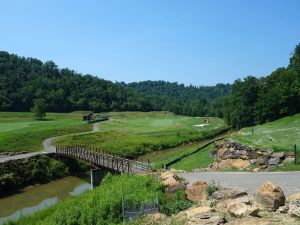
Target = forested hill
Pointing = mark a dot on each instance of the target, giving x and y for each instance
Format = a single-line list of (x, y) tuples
[(258, 100), (186, 100), (22, 80)]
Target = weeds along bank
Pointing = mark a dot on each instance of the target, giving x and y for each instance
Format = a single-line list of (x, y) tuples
[(103, 205), (35, 170)]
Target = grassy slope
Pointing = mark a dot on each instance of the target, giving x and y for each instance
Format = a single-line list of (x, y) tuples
[(279, 135), (201, 159), (20, 132), (137, 133)]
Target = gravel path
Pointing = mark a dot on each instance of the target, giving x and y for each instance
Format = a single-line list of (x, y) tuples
[(288, 181), (48, 147)]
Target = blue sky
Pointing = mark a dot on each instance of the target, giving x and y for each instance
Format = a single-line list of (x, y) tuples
[(188, 41)]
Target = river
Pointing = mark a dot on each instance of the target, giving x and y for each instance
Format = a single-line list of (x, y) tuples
[(31, 199)]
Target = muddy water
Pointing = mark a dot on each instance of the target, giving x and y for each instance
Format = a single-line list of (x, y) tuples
[(31, 199)]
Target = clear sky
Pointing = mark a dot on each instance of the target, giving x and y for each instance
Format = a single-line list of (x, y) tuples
[(189, 41)]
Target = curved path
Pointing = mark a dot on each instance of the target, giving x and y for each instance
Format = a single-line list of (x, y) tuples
[(48, 147), (288, 181)]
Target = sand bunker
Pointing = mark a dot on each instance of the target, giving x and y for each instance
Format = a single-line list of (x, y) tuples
[(201, 125)]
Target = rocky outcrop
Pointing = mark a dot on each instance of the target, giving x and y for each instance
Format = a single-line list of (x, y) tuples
[(170, 181), (231, 163), (232, 154), (270, 196), (197, 192)]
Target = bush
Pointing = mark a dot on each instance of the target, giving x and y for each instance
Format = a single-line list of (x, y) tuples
[(172, 203), (212, 187)]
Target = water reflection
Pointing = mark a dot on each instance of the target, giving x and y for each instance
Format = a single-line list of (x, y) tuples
[(32, 199)]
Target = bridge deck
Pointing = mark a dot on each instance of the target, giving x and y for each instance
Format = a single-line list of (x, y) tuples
[(98, 158)]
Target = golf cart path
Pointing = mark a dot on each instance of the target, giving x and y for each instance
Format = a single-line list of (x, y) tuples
[(48, 147), (288, 181)]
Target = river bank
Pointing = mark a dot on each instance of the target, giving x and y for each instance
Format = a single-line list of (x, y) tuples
[(17, 174)]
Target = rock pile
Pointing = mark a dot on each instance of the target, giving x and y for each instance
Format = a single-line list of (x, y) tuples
[(232, 154), (232, 206)]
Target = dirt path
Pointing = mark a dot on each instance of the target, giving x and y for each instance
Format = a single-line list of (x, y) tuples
[(288, 181), (48, 147)]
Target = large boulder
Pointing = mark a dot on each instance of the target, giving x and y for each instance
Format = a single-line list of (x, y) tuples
[(262, 160), (231, 163), (288, 160), (203, 216), (240, 210), (294, 197), (197, 192), (170, 181), (197, 211), (274, 161), (270, 196), (226, 193), (294, 208)]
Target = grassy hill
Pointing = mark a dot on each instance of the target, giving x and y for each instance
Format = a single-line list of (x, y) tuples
[(279, 135), (19, 131), (136, 133)]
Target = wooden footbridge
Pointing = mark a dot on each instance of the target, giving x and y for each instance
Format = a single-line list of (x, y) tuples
[(101, 159)]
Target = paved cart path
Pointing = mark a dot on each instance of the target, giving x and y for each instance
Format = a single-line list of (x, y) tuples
[(288, 181), (48, 147)]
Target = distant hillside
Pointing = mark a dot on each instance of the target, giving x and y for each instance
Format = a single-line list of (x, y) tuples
[(22, 80), (185, 100)]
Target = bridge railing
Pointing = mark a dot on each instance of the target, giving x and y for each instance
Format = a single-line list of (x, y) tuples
[(100, 158)]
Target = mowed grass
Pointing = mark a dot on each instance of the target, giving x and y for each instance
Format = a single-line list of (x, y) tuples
[(131, 134), (201, 159), (279, 135), (19, 131)]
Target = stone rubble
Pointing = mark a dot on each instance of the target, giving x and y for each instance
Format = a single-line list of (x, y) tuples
[(230, 154), (232, 206)]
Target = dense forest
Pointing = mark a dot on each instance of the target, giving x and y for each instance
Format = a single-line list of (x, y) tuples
[(184, 100), (244, 103), (23, 80)]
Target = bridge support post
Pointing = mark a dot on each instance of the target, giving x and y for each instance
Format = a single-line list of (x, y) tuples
[(95, 178)]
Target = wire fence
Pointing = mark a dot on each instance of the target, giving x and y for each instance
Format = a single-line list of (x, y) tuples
[(132, 211)]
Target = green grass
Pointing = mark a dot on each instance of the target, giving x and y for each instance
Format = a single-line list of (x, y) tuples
[(201, 159), (19, 131), (104, 204), (279, 135), (132, 134)]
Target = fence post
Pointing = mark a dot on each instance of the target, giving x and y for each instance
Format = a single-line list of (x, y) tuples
[(295, 153), (165, 166), (123, 207)]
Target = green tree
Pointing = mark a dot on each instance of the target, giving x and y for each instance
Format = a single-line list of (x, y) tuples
[(39, 109)]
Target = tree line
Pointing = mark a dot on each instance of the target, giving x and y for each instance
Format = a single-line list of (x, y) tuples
[(246, 102), (24, 81), (258, 100)]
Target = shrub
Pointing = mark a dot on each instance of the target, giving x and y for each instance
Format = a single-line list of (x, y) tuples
[(212, 187)]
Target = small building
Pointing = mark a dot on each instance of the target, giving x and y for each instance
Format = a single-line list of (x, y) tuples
[(87, 116), (206, 120)]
